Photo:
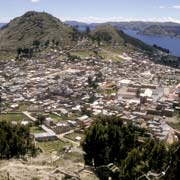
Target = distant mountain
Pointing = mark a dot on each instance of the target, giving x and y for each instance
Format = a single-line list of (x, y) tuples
[(79, 25), (159, 30), (22, 31), (139, 26), (75, 23), (2, 24)]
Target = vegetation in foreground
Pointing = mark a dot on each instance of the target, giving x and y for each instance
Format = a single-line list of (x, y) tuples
[(15, 141), (110, 141)]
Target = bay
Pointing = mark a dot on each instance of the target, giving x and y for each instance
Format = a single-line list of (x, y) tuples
[(171, 43)]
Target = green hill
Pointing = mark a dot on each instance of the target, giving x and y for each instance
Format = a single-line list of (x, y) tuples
[(108, 34), (22, 31)]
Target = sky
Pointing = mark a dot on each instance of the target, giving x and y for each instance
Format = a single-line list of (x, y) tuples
[(95, 10)]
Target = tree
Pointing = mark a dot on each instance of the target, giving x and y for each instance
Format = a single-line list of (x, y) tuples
[(36, 44), (108, 140), (24, 52), (19, 51), (96, 52), (30, 52), (40, 119), (53, 43), (0, 102), (86, 111), (129, 165), (57, 43), (103, 142), (75, 33), (138, 92), (87, 31), (173, 172), (46, 44), (92, 82), (15, 140)]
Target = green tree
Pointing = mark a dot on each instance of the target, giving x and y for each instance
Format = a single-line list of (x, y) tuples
[(103, 142), (108, 140), (138, 92), (173, 172), (19, 51), (46, 44), (87, 31), (57, 43), (40, 119), (36, 44), (15, 140)]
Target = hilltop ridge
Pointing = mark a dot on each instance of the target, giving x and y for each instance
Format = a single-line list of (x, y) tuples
[(22, 31), (109, 34)]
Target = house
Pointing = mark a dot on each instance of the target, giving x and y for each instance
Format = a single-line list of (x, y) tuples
[(25, 123), (140, 114), (61, 128), (83, 120), (125, 82), (72, 123), (49, 122), (147, 92), (45, 136), (168, 112)]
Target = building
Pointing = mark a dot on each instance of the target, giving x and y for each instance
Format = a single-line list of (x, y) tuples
[(45, 136)]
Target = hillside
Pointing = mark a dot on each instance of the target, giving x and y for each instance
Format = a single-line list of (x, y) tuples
[(173, 31), (22, 31), (108, 34)]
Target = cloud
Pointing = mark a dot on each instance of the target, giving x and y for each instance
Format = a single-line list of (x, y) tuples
[(170, 7), (176, 7), (5, 19), (92, 19), (35, 1)]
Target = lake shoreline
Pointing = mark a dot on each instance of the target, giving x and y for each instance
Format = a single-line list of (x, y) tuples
[(167, 42)]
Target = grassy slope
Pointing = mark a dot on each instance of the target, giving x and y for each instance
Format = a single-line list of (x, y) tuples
[(22, 31), (119, 37), (103, 31)]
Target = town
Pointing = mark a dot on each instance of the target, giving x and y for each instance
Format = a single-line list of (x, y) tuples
[(89, 90), (69, 92)]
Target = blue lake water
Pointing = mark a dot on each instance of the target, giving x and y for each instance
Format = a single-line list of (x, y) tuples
[(173, 44)]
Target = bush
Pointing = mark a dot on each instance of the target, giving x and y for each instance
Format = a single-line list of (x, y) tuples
[(15, 141)]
